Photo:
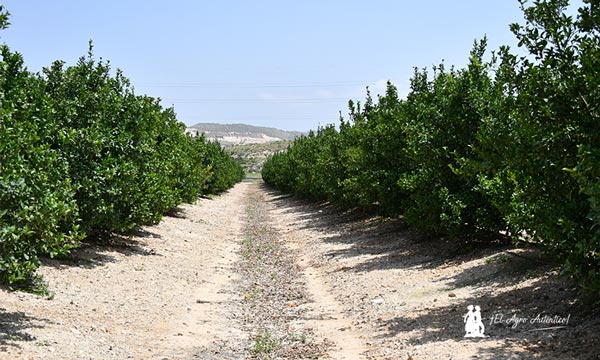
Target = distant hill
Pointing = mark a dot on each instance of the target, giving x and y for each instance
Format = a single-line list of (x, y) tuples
[(253, 156), (241, 134)]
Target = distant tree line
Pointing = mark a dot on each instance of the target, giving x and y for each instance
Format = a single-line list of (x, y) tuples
[(510, 144)]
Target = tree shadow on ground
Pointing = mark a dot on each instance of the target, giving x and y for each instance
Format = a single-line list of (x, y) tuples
[(395, 245), (96, 250), (177, 212), (387, 243), (545, 295), (509, 281), (505, 268), (13, 328)]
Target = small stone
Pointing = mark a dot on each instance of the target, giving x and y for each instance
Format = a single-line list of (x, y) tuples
[(378, 301), (451, 294)]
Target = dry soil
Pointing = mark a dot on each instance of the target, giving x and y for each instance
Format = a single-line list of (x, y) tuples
[(254, 273)]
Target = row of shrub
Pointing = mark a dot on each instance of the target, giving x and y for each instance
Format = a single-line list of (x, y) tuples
[(81, 154), (509, 144)]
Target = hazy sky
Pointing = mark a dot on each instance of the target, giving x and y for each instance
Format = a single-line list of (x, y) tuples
[(287, 64)]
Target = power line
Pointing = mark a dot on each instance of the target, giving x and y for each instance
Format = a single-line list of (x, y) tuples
[(255, 100), (265, 117), (271, 119), (224, 85)]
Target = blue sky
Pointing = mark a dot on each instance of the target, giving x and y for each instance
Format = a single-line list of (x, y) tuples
[(286, 64)]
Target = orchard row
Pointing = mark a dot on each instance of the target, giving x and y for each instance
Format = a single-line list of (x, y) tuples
[(507, 145), (81, 155)]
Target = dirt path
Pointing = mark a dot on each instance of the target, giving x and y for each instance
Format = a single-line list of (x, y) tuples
[(287, 306), (257, 274), (167, 293), (406, 297)]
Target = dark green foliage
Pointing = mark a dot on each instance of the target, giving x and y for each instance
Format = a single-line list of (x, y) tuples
[(80, 154), (4, 15), (224, 171), (554, 159), (99, 145), (443, 117), (130, 159), (508, 144), (38, 213)]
